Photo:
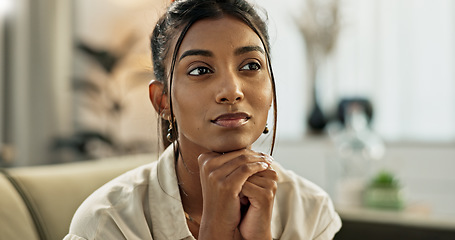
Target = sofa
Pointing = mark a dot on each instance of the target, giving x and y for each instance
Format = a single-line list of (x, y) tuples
[(38, 202)]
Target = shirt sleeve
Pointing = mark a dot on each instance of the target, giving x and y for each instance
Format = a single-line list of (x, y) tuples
[(333, 223), (73, 237), (331, 229), (304, 210)]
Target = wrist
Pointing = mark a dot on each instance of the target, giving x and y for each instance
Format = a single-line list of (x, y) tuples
[(217, 232), (263, 234)]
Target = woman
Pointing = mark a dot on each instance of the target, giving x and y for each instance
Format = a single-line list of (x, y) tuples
[(213, 90)]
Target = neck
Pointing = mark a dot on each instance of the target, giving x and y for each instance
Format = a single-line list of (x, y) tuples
[(187, 170)]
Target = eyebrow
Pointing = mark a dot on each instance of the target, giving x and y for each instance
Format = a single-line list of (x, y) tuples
[(206, 53), (195, 52), (243, 50)]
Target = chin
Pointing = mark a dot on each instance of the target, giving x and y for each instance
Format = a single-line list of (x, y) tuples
[(228, 149), (228, 146)]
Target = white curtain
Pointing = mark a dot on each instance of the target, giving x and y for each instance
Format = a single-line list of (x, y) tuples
[(398, 53), (401, 54), (38, 84)]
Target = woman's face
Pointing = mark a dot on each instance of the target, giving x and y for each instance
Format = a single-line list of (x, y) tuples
[(222, 89)]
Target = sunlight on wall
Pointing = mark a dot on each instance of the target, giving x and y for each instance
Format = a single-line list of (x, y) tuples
[(6, 7), (399, 54)]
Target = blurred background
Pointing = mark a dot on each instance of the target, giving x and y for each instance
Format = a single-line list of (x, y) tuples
[(366, 93)]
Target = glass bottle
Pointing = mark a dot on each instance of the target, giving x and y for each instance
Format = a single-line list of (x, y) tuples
[(359, 150)]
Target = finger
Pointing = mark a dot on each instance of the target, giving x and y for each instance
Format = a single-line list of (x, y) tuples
[(264, 177), (230, 161), (239, 176), (257, 195), (207, 156), (230, 166), (269, 173), (267, 157), (266, 183), (224, 157)]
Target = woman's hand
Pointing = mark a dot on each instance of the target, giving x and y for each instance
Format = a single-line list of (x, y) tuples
[(229, 181), (260, 190)]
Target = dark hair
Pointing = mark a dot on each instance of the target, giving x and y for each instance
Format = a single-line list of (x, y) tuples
[(180, 16)]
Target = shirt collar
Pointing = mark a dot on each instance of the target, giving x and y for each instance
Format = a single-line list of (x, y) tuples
[(277, 228), (168, 220)]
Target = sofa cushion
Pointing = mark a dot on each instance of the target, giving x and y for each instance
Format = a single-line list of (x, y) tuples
[(15, 220), (56, 191)]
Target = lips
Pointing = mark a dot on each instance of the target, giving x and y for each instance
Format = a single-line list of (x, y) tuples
[(231, 120)]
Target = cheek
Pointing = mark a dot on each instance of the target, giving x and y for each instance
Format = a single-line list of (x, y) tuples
[(181, 106), (188, 106), (263, 97)]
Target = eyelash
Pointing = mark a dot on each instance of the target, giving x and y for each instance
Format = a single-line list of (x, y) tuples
[(253, 66), (199, 69), (257, 66)]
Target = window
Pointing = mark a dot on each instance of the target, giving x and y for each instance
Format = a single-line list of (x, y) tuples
[(398, 53)]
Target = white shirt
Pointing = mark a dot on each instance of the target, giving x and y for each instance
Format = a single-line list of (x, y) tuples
[(144, 203)]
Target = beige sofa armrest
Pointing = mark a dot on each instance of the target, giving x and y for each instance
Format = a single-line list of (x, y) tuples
[(55, 192), (15, 221)]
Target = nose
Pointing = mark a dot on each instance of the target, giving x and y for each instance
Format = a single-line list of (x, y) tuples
[(230, 90)]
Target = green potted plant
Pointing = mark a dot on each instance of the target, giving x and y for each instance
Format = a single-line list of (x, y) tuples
[(384, 192)]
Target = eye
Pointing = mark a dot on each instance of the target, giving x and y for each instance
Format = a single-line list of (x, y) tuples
[(252, 66), (198, 71)]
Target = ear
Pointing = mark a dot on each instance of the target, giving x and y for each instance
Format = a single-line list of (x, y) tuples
[(158, 98)]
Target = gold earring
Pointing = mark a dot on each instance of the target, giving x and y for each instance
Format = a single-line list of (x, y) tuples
[(266, 129), (170, 134)]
